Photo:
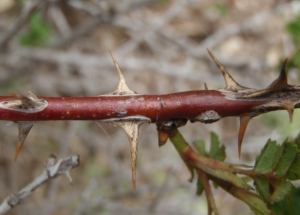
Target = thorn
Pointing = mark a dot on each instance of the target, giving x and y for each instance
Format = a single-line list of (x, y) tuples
[(281, 82), (231, 84), (244, 120), (162, 137), (205, 86), (290, 109), (132, 130), (122, 87), (131, 126), (24, 128)]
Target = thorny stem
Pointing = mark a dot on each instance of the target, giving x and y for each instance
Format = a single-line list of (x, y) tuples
[(192, 105), (127, 109)]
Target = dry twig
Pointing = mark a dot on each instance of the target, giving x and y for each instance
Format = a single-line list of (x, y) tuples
[(53, 169)]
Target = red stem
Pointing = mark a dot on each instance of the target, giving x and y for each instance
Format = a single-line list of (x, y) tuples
[(184, 105)]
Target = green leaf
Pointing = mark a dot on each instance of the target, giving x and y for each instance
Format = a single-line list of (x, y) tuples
[(38, 33), (262, 186), (287, 158), (216, 152), (282, 161), (220, 155), (289, 205), (256, 204), (297, 141), (294, 171), (214, 144), (200, 147), (268, 158), (281, 190)]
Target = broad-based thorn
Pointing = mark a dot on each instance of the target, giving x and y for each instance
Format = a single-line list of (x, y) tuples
[(244, 120), (162, 137), (290, 109), (231, 84), (122, 87), (281, 82), (132, 130), (24, 128)]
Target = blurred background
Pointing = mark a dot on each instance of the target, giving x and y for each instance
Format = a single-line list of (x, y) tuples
[(61, 48)]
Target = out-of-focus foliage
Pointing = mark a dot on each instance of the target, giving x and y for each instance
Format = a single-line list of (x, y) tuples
[(38, 32)]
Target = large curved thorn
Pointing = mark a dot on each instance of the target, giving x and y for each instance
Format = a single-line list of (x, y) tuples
[(122, 88), (244, 120), (24, 128), (231, 84)]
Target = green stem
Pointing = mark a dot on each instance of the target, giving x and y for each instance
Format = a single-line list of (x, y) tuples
[(211, 206), (210, 166), (182, 147)]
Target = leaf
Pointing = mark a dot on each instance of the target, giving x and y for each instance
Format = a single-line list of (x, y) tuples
[(216, 152), (38, 33), (277, 159), (289, 205), (262, 187), (214, 144), (294, 171), (287, 158), (282, 189), (282, 161), (200, 147), (268, 157)]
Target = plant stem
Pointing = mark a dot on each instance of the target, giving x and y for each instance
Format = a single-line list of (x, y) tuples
[(211, 206), (206, 106)]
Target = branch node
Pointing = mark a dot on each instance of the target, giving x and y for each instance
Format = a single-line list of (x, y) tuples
[(27, 104)]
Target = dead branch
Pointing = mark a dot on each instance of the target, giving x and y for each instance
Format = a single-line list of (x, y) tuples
[(53, 169)]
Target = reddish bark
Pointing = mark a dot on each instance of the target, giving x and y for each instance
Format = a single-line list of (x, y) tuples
[(184, 105)]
